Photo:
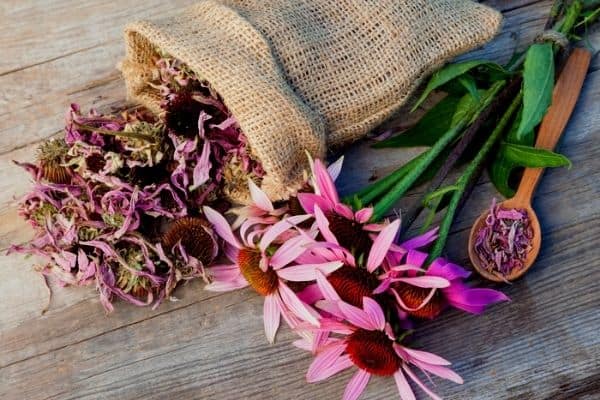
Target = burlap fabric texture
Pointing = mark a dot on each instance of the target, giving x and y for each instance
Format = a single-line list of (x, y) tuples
[(305, 75)]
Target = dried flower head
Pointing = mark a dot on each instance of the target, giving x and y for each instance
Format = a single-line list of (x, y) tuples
[(51, 155), (195, 236)]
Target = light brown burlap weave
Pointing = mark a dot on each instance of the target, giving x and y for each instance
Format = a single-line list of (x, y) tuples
[(302, 75)]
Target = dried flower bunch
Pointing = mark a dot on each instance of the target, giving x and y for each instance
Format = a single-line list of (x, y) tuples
[(116, 202)]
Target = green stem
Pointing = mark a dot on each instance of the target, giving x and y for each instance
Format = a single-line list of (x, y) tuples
[(131, 135), (466, 177), (371, 192), (397, 191), (567, 24)]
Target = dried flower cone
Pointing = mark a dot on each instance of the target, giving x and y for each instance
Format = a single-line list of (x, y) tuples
[(296, 76)]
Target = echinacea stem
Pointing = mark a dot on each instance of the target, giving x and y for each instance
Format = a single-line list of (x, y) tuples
[(401, 187), (464, 180), (466, 139)]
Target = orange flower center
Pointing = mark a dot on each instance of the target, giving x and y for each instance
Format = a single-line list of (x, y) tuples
[(372, 351), (352, 284), (264, 283), (414, 296)]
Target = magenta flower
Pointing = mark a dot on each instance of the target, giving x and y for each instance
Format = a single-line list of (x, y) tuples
[(369, 344), (422, 302), (350, 229)]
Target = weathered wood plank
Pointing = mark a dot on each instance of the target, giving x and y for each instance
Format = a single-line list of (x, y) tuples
[(35, 32)]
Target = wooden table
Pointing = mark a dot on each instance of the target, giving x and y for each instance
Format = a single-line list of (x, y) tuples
[(544, 344)]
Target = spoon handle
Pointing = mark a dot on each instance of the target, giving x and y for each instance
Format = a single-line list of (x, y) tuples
[(564, 98)]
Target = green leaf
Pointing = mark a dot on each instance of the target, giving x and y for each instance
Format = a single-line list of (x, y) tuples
[(500, 171), (470, 85), (526, 156), (465, 107), (438, 194), (448, 73), (429, 128), (526, 139), (538, 83)]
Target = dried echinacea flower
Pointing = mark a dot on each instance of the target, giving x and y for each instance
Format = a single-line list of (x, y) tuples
[(51, 154), (196, 237), (182, 112)]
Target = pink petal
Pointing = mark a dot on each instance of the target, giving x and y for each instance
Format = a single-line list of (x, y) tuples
[(324, 184), (307, 272), (442, 372), (326, 288), (289, 251), (356, 316), (425, 281), (404, 388), (472, 300), (295, 305), (415, 379), (259, 197), (274, 231), (423, 356), (357, 385), (421, 240), (332, 307), (310, 294), (323, 225), (364, 215), (272, 316), (308, 201), (342, 363), (201, 172), (226, 286), (381, 245), (221, 226), (374, 311), (325, 359), (416, 258), (224, 272), (335, 168), (447, 270)]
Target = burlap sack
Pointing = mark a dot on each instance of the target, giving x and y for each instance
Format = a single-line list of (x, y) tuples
[(301, 75)]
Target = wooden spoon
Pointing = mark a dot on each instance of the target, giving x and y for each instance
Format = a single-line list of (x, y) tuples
[(566, 93)]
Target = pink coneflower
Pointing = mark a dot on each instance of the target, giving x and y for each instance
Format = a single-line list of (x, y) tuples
[(351, 229), (370, 344), (260, 210), (355, 280), (428, 303), (255, 264)]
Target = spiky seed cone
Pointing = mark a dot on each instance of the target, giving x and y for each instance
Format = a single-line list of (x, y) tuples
[(350, 234), (372, 351), (50, 155), (264, 283), (55, 173), (196, 238), (352, 284), (414, 296)]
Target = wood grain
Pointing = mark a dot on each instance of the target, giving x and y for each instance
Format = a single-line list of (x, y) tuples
[(542, 345)]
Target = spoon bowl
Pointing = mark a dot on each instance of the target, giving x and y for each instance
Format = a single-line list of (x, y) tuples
[(566, 93), (536, 243)]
